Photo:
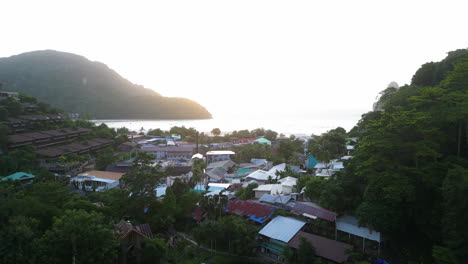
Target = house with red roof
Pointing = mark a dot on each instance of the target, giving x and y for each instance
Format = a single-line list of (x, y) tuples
[(257, 212)]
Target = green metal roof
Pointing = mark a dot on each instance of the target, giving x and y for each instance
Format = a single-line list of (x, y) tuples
[(263, 141), (19, 176), (243, 171)]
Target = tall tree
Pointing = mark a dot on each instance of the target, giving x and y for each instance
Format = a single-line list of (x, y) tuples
[(455, 206), (198, 170), (216, 131), (143, 177), (78, 237), (330, 145)]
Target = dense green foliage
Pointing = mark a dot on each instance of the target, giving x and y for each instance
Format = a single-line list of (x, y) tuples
[(216, 131), (74, 238), (246, 193), (287, 150), (329, 145), (258, 132), (229, 233), (408, 178), (432, 73), (77, 85), (143, 177), (252, 151)]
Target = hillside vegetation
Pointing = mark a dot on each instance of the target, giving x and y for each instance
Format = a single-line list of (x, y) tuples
[(409, 175), (77, 85)]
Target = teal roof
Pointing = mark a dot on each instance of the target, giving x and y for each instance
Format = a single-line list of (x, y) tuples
[(129, 160), (19, 176), (263, 141), (311, 161), (243, 171)]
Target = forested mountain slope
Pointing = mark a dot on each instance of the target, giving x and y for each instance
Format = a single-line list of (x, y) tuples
[(409, 175), (75, 84)]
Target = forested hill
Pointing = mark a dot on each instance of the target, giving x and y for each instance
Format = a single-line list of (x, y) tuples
[(78, 85), (409, 175)]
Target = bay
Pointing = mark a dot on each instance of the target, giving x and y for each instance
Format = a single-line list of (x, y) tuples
[(299, 126)]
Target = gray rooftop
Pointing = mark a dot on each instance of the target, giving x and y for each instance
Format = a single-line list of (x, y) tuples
[(282, 228)]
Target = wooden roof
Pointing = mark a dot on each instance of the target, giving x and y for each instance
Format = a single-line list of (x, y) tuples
[(126, 228)]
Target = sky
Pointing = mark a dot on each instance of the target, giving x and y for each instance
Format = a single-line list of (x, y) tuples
[(248, 58)]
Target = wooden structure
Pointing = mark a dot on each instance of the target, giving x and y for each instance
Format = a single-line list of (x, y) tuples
[(132, 239)]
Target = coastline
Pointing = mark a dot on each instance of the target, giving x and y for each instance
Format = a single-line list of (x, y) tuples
[(289, 126)]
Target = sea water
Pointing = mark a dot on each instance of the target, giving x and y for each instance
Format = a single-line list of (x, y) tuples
[(299, 126)]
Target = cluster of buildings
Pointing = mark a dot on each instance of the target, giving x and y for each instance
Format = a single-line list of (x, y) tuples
[(278, 206), (285, 217), (284, 214)]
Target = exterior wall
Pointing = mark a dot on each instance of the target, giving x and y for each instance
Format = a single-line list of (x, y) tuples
[(179, 156), (272, 248), (214, 158), (259, 194), (287, 189)]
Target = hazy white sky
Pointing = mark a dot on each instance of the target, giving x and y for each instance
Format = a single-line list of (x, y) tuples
[(300, 58)]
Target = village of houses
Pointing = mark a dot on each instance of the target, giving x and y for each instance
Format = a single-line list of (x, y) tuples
[(333, 236), (224, 176)]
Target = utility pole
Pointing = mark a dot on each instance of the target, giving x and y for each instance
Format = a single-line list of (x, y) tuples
[(196, 140)]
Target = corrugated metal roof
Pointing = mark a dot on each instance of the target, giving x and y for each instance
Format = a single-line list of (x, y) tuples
[(243, 171), (255, 211), (263, 141), (223, 163), (261, 175), (320, 165), (220, 152), (166, 149), (338, 165), (288, 181), (324, 247), (350, 224), (279, 199), (259, 161), (282, 228), (217, 173), (279, 167), (318, 212)]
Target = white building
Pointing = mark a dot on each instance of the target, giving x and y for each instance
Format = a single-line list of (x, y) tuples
[(171, 153), (98, 180), (219, 155)]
